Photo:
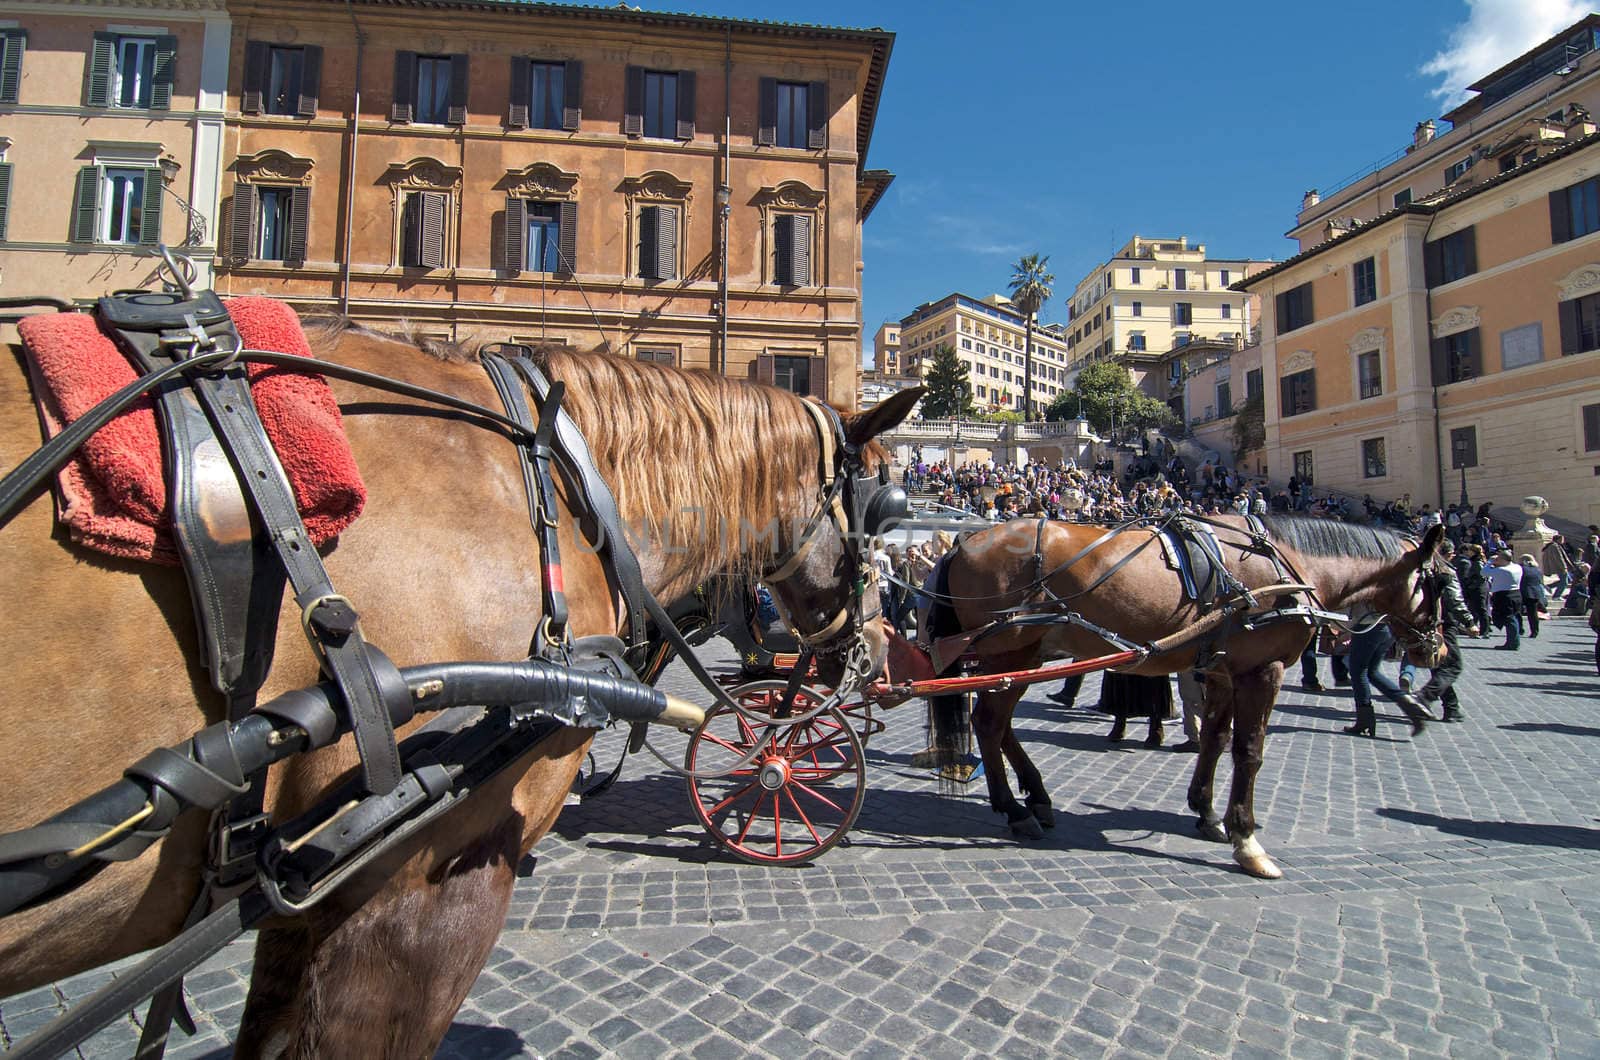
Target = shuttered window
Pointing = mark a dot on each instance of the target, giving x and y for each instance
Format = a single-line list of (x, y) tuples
[(1374, 458), (545, 95), (1451, 258), (660, 104), (1591, 428), (1575, 211), (792, 236), (657, 355), (1580, 324), (1298, 394), (119, 206), (281, 80), (658, 242), (540, 237), (277, 220), (430, 89), (793, 114), (132, 72), (12, 44), (1457, 358), (1183, 313), (422, 229), (1369, 370), (1295, 309), (1364, 280), (5, 198)]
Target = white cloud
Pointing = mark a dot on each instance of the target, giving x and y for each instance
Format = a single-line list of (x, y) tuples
[(1495, 32)]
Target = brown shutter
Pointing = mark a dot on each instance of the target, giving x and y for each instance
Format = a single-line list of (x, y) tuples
[(686, 104), (256, 58), (572, 101), (1474, 358), (819, 377), (1560, 216), (405, 87), (299, 225), (765, 366), (1571, 327), (86, 206), (1591, 430), (166, 72), (242, 223), (100, 62), (633, 116), (150, 215), (767, 124), (310, 81), (12, 44), (434, 205), (666, 243), (1440, 362), (817, 118), (514, 256), (5, 197), (1432, 263), (567, 239), (521, 90), (649, 222), (458, 91), (1470, 252)]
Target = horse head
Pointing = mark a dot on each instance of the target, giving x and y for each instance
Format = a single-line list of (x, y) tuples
[(824, 580), (1412, 601)]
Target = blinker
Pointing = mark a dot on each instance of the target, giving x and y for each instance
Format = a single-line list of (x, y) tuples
[(887, 506)]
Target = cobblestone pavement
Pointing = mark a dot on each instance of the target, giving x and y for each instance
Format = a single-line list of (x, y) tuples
[(1439, 899)]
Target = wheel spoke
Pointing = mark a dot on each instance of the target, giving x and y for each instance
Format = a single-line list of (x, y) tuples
[(720, 742), (815, 838), (719, 807), (755, 811), (817, 795), (777, 823)]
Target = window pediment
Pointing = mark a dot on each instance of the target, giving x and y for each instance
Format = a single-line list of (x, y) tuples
[(1461, 318), (1299, 361), (422, 174), (1585, 279), (1368, 339), (657, 186), (540, 180), (789, 195), (274, 165)]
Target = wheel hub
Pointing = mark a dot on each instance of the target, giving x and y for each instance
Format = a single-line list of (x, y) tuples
[(774, 774)]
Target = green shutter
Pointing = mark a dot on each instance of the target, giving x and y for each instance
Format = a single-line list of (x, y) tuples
[(150, 216), (666, 243), (649, 247), (165, 73), (86, 206), (11, 46), (101, 59), (5, 197), (256, 58), (1570, 327), (1560, 216)]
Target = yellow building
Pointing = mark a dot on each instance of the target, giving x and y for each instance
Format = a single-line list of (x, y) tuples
[(886, 349), (1449, 341), (1147, 304), (111, 122), (988, 335)]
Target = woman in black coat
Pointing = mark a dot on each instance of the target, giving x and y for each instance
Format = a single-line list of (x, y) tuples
[(1125, 696), (1469, 572)]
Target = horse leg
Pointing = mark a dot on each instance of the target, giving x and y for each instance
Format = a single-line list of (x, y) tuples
[(1214, 730), (1254, 694), (1028, 779), (991, 720)]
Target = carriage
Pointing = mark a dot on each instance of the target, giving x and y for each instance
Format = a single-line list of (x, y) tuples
[(455, 768)]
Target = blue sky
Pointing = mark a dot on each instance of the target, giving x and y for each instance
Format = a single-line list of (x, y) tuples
[(1065, 128)]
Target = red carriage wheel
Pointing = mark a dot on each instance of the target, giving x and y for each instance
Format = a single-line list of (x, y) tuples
[(799, 794)]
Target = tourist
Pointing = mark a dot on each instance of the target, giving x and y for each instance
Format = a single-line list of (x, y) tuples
[(1368, 649), (1455, 619), (1505, 597), (1534, 597)]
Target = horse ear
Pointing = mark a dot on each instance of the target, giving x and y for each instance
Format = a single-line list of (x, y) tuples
[(865, 426), (1430, 544)]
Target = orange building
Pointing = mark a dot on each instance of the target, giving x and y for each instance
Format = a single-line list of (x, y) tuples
[(686, 189)]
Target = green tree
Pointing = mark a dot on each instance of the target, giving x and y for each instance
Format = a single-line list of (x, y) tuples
[(1110, 401), (1066, 405), (1030, 290), (1249, 427), (949, 390)]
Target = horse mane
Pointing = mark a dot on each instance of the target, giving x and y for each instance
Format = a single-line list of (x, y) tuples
[(1312, 536), (692, 456)]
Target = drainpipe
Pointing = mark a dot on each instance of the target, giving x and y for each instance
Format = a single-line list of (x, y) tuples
[(725, 199), (1427, 327), (350, 182)]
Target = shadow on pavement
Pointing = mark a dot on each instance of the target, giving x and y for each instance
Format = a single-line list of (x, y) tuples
[(1553, 726), (1574, 689), (480, 1043), (1520, 832)]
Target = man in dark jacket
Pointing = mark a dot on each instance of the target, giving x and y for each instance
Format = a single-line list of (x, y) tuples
[(1455, 619)]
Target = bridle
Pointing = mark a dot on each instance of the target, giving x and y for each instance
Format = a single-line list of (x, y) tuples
[(859, 506)]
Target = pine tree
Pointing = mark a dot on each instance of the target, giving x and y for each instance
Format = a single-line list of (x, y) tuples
[(949, 391)]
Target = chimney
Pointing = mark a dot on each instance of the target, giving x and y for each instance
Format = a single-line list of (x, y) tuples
[(1578, 122), (1423, 133), (1310, 199)]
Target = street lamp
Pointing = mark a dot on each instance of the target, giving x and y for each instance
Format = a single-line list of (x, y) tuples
[(724, 211), (196, 222), (1460, 448)]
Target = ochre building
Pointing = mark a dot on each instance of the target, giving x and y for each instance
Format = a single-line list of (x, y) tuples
[(684, 189)]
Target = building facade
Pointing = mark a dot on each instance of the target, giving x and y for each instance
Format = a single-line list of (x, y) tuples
[(988, 335), (886, 348), (1448, 346), (682, 189), (1149, 302), (111, 139), (1516, 114)]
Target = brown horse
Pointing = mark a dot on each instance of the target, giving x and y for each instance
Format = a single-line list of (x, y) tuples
[(1356, 569), (101, 665)]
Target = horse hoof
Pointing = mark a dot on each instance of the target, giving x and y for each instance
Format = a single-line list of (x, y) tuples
[(1254, 860), (1212, 830), (1026, 828), (1043, 814)]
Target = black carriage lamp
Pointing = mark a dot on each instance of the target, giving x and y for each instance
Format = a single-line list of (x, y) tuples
[(1460, 447), (195, 222)]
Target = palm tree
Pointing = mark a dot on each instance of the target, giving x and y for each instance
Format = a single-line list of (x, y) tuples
[(1030, 290)]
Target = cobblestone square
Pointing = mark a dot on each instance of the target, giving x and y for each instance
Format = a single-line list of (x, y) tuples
[(1439, 900)]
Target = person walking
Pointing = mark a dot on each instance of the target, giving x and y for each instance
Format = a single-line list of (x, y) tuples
[(1368, 649), (1469, 568), (1557, 564), (1535, 598), (1505, 597), (1454, 621)]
